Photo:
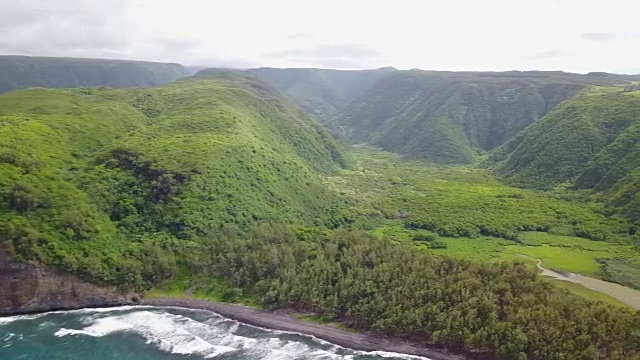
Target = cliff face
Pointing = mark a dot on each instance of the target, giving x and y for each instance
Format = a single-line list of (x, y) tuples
[(26, 288)]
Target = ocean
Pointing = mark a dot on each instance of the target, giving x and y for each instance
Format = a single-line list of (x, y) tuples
[(146, 333)]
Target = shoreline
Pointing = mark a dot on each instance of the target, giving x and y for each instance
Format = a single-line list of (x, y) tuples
[(279, 321)]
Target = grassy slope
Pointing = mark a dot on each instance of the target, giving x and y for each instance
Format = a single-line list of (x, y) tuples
[(120, 184), (18, 72), (589, 141)]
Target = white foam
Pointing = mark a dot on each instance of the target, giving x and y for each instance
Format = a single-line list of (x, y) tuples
[(239, 342), (384, 354), (160, 329), (9, 320), (101, 310), (209, 338), (387, 354)]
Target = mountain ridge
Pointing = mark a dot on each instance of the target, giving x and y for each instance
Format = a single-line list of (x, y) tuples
[(439, 116), (18, 72)]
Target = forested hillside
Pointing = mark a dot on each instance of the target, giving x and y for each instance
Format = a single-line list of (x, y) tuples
[(118, 185), (587, 142), (18, 72), (446, 117), (449, 117)]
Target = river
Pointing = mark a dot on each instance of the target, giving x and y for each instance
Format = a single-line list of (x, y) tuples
[(625, 294)]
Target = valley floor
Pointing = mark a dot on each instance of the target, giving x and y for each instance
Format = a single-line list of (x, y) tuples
[(467, 213)]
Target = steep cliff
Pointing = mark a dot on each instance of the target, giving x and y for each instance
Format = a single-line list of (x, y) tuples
[(25, 288)]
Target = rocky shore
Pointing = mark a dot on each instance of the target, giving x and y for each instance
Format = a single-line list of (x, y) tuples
[(25, 288)]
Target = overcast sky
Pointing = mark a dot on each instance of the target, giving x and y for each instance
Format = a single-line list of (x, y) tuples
[(568, 35)]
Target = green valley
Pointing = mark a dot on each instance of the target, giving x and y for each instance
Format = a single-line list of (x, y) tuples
[(590, 142), (465, 212), (216, 186)]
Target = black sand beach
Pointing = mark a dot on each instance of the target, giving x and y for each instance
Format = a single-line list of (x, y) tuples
[(284, 322)]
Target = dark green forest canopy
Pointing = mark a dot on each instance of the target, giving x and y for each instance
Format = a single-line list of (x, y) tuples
[(19, 72), (499, 310)]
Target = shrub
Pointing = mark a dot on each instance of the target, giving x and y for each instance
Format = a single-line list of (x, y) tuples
[(424, 236), (23, 197)]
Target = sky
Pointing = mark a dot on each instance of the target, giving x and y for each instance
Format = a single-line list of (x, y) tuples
[(487, 35)]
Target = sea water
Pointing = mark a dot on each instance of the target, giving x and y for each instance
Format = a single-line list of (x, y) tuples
[(145, 333)]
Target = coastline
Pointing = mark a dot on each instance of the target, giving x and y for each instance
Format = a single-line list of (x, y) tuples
[(279, 321)]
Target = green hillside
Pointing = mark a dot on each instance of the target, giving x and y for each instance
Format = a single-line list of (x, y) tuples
[(18, 72), (439, 116), (587, 142), (449, 118), (119, 185)]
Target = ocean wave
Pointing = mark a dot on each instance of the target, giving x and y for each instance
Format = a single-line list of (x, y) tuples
[(10, 319), (159, 329), (382, 354), (209, 337)]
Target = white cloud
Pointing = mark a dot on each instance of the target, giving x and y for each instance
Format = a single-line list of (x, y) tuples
[(570, 35)]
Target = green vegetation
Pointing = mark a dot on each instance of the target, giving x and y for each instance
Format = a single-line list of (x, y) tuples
[(217, 188), (17, 72), (121, 185), (621, 270), (445, 117), (449, 118), (464, 202), (586, 293), (465, 213), (500, 310), (588, 142)]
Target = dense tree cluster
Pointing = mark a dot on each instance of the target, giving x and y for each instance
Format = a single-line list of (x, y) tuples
[(503, 310)]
